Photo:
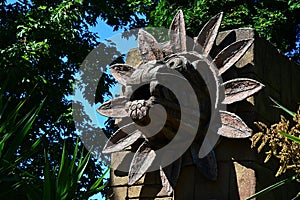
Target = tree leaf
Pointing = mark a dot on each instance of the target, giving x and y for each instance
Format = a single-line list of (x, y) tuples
[(23, 127), (233, 126), (274, 186), (291, 137), (231, 54), (82, 166), (72, 164), (47, 178), (141, 162), (239, 89), (207, 36), (283, 108), (98, 182)]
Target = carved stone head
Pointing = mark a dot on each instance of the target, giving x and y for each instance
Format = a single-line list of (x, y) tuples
[(181, 77)]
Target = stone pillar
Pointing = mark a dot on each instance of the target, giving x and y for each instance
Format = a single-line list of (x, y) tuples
[(241, 171)]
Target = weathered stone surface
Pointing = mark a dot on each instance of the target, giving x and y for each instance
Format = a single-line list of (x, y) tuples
[(226, 37), (279, 74), (151, 178), (246, 180), (134, 57), (241, 170), (118, 178), (161, 198), (118, 193), (218, 189), (184, 190), (145, 191), (263, 62)]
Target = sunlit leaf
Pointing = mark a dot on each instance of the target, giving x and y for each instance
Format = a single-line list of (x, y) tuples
[(283, 108), (274, 186), (291, 137)]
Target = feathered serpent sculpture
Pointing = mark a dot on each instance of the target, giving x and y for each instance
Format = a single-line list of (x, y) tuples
[(143, 90)]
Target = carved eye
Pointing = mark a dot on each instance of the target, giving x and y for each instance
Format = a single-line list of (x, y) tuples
[(174, 63), (171, 64), (177, 63)]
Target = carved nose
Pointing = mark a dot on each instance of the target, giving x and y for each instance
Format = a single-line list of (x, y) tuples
[(139, 109)]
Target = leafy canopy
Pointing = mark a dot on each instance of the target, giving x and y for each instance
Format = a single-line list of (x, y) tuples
[(276, 20), (43, 45)]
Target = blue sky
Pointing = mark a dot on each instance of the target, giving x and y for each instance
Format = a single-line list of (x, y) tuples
[(123, 45), (104, 32)]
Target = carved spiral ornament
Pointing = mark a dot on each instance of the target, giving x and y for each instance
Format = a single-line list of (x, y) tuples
[(176, 102)]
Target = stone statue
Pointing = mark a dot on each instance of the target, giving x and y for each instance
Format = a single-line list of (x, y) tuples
[(176, 62)]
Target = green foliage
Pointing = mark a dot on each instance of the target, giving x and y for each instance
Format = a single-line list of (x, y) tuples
[(43, 45), (274, 186), (58, 182), (13, 130), (61, 183), (278, 105), (282, 142), (291, 137), (276, 20)]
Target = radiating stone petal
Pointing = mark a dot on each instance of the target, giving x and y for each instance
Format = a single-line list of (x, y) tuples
[(233, 126), (141, 161), (207, 36)]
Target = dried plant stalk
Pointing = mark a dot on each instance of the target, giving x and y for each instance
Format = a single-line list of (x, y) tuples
[(277, 145)]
